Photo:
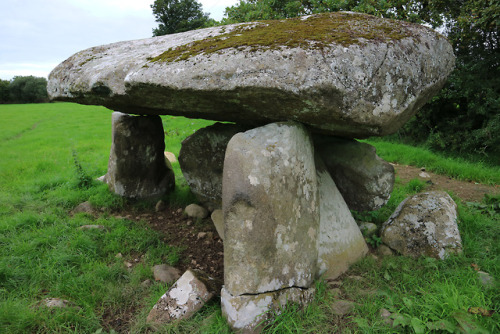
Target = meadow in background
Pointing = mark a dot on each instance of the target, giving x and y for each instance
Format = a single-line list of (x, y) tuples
[(50, 156)]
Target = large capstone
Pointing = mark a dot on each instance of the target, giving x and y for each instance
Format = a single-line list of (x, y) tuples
[(363, 178), (137, 167), (202, 158), (346, 74), (271, 210)]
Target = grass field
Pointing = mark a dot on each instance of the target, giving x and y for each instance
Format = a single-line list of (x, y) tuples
[(44, 254)]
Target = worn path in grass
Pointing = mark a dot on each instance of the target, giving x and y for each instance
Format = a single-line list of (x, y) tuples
[(467, 191)]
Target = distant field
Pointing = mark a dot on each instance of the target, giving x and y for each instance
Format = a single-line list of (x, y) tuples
[(44, 254)]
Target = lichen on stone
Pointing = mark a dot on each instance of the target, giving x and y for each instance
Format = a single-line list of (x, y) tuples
[(309, 32)]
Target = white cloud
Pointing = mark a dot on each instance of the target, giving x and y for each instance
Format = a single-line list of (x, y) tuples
[(36, 35)]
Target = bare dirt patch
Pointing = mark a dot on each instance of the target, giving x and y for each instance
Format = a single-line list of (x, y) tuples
[(467, 191)]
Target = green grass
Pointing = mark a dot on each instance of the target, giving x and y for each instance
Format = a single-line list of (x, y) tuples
[(43, 253), (459, 169)]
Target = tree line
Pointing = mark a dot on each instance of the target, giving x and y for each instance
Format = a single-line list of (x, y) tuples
[(24, 89), (463, 118)]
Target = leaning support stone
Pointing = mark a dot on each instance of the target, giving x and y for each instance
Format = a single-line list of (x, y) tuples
[(340, 242), (137, 166)]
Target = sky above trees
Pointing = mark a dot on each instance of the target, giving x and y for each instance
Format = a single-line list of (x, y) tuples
[(36, 35)]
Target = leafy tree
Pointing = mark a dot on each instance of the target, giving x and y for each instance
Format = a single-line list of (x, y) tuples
[(465, 116), (28, 89), (179, 16), (4, 91)]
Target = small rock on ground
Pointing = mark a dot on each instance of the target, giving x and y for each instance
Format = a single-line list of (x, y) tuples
[(160, 206), (92, 227), (218, 220), (486, 279), (383, 250), (166, 274), (196, 211), (342, 307), (84, 207)]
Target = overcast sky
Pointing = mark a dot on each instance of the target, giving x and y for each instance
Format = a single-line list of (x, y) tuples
[(36, 35)]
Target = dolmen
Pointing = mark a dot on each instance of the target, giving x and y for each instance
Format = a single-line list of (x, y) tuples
[(287, 169)]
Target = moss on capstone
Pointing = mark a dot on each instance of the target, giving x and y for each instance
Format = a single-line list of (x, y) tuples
[(312, 32)]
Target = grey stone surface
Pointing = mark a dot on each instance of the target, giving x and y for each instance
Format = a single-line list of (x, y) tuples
[(271, 210), (342, 307), (366, 83), (84, 207), (202, 158), (196, 211), (165, 273), (486, 279), (364, 179), (424, 225), (137, 166), (188, 295), (367, 229), (249, 313), (218, 220), (340, 242)]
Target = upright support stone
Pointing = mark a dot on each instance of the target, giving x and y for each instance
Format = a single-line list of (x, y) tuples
[(363, 178), (137, 166), (202, 158), (271, 215)]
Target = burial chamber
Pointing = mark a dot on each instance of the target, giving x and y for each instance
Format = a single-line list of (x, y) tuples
[(285, 176)]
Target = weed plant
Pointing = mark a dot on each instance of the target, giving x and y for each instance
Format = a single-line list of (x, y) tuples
[(52, 153)]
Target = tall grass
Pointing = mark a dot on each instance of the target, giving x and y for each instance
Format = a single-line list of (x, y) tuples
[(47, 150), (457, 168)]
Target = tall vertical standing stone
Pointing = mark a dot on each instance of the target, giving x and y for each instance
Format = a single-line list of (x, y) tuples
[(137, 166), (271, 214)]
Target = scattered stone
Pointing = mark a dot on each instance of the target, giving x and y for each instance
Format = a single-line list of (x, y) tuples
[(342, 307), (147, 283), (424, 225), (170, 157), (119, 255), (218, 220), (202, 158), (92, 227), (196, 211), (368, 82), (270, 233), (101, 178), (137, 166), (340, 242), (424, 175), (84, 207), (160, 206), (486, 279), (249, 313), (363, 178), (166, 274), (188, 295), (201, 235), (368, 229), (128, 264), (58, 303), (336, 292), (385, 315), (383, 250)]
